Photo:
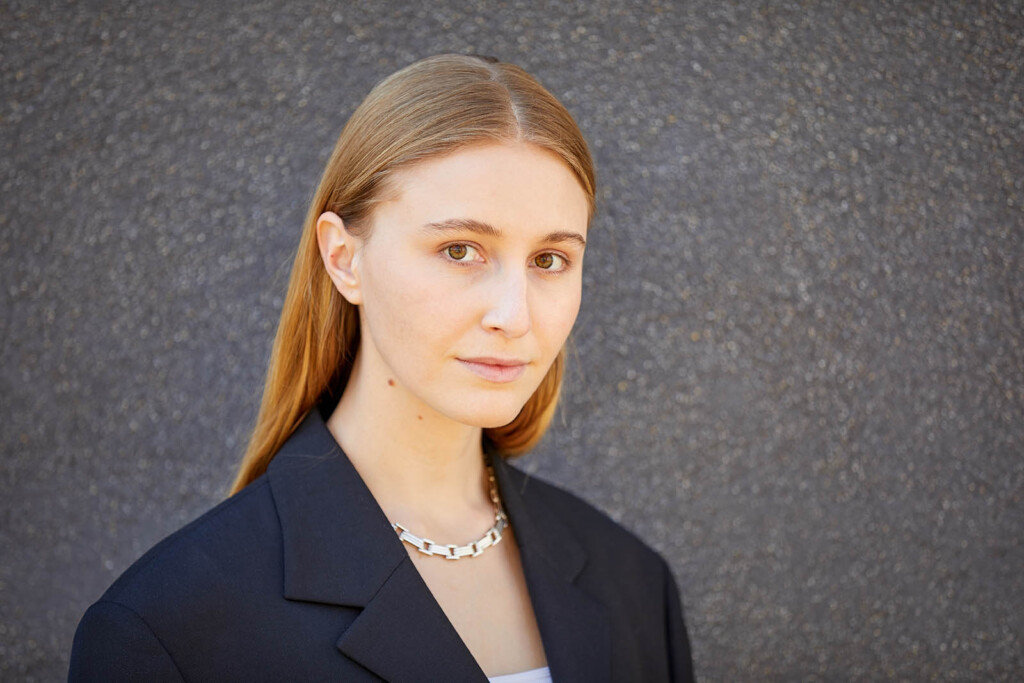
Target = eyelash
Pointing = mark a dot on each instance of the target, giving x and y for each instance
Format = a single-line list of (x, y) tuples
[(566, 263)]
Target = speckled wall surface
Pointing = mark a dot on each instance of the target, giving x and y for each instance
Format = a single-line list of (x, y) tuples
[(799, 372)]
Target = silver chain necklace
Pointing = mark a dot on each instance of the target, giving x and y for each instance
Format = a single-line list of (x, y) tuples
[(457, 552)]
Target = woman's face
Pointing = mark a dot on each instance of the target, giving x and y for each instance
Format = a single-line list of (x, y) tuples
[(470, 280)]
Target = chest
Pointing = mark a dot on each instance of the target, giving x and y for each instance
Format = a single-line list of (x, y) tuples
[(486, 599)]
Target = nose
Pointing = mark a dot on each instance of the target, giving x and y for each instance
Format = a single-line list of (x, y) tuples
[(508, 306)]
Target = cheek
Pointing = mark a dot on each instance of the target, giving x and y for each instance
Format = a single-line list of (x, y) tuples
[(555, 315), (409, 309)]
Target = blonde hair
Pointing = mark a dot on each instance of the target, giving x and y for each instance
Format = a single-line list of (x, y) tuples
[(430, 108)]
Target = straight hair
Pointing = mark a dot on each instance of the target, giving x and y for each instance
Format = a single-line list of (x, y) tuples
[(428, 109)]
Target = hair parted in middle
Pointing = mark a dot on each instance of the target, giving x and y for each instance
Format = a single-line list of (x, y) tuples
[(428, 109)]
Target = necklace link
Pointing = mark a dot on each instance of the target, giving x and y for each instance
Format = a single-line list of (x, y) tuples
[(456, 552)]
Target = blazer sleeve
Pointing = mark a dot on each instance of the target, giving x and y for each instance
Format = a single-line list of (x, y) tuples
[(115, 644), (680, 659)]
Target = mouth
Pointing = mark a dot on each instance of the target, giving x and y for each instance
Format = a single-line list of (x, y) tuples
[(500, 370)]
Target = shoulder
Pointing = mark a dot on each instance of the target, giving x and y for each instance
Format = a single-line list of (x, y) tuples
[(234, 540), (105, 634), (607, 542), (178, 594)]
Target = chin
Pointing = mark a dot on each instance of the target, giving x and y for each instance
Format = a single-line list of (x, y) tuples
[(487, 414)]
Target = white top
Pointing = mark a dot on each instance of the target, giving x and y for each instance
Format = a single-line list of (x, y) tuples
[(541, 675)]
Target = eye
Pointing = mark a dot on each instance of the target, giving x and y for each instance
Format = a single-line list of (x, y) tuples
[(463, 253), (550, 262)]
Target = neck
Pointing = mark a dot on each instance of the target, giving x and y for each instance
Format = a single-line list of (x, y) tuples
[(425, 470)]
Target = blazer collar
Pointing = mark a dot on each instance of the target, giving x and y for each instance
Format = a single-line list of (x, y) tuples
[(335, 535), (574, 626), (538, 531), (339, 548)]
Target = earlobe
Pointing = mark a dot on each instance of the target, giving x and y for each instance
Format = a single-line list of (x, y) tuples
[(339, 250)]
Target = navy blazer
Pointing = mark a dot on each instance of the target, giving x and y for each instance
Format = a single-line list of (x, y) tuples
[(300, 577)]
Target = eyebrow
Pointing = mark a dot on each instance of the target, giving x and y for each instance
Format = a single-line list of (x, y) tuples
[(481, 228)]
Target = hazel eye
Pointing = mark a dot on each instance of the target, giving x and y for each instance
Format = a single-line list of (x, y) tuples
[(549, 261), (460, 252)]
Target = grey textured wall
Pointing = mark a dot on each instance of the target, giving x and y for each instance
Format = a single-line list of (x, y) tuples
[(800, 371)]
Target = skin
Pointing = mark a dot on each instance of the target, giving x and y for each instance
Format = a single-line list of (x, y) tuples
[(468, 285)]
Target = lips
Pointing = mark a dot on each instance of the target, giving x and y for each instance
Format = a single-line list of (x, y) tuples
[(500, 370)]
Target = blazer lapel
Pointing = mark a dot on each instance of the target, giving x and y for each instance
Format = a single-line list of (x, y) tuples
[(340, 549), (574, 627), (404, 635)]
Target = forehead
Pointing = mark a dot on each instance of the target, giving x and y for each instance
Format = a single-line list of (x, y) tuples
[(517, 187)]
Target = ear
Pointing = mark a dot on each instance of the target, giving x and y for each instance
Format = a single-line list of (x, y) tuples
[(340, 251)]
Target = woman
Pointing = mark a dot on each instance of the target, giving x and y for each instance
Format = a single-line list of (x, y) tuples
[(420, 345)]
